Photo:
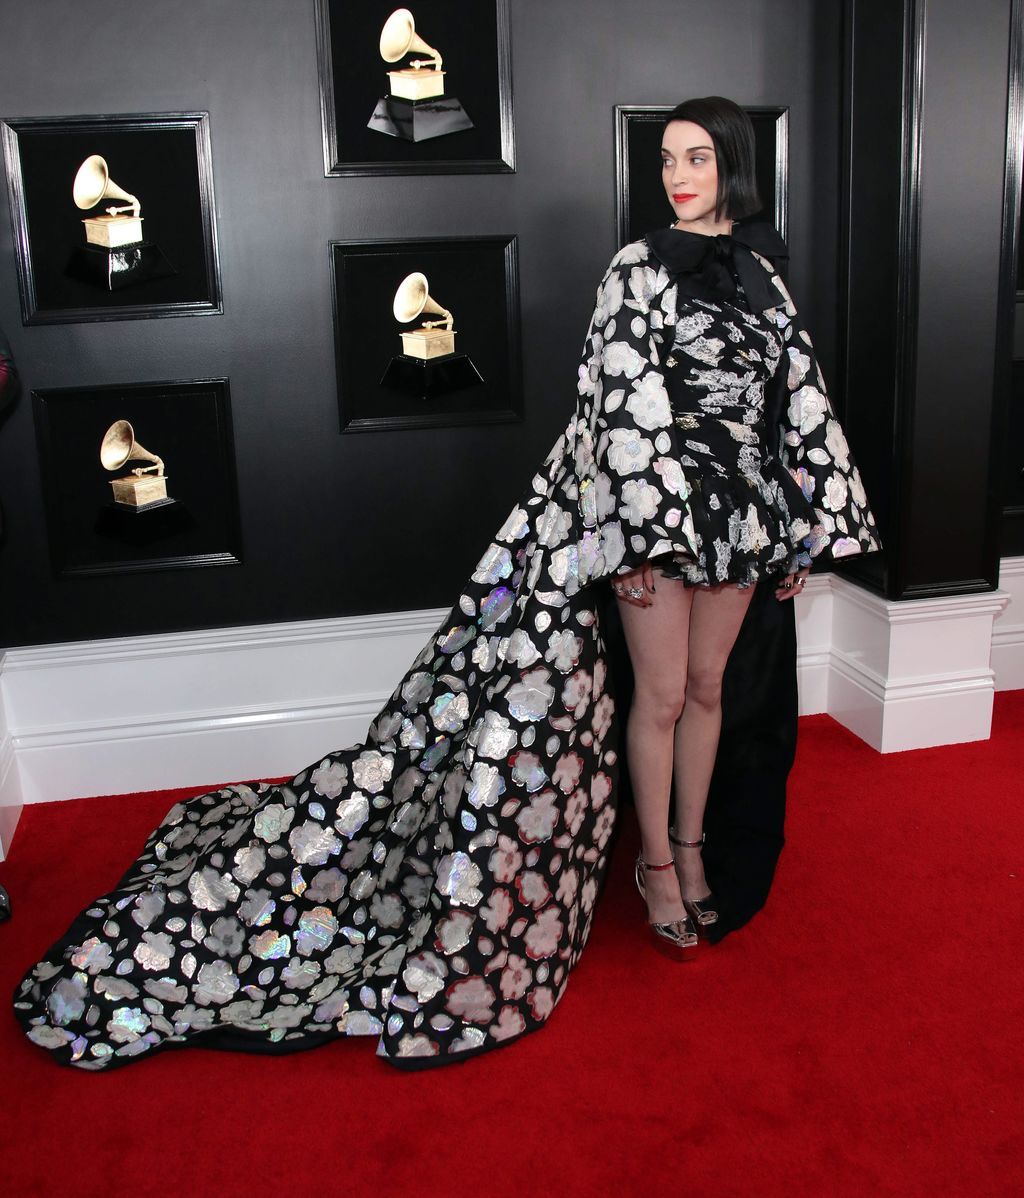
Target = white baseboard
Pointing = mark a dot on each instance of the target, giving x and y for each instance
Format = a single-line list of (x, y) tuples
[(194, 708), (11, 802), (1008, 633), (814, 644), (912, 674), (227, 705)]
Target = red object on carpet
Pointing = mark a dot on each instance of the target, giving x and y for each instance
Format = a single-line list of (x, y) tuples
[(864, 1035)]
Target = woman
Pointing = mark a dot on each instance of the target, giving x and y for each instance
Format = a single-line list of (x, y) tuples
[(435, 886), (751, 518)]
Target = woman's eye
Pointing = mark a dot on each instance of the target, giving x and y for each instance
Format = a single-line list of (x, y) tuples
[(699, 158)]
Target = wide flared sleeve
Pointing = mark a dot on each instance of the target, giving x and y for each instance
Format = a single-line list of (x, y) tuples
[(626, 475), (814, 449)]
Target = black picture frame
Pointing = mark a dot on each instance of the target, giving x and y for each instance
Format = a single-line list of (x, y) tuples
[(185, 422), (473, 37), (164, 159), (640, 201), (477, 279)]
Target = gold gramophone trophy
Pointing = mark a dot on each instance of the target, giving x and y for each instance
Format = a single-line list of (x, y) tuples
[(115, 254), (144, 486), (428, 365), (415, 108), (142, 512)]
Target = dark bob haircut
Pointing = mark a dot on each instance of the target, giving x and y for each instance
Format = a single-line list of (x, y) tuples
[(732, 135)]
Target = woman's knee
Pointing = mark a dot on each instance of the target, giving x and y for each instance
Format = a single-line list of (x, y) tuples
[(660, 704), (704, 684)]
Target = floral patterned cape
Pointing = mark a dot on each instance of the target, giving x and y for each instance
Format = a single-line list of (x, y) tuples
[(434, 886)]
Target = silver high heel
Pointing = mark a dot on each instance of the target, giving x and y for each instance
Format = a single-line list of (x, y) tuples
[(704, 911), (680, 934)]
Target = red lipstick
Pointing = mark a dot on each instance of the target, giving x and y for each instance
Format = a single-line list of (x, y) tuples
[(679, 197)]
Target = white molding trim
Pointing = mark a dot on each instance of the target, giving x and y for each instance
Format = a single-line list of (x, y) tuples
[(226, 705), (814, 643), (259, 701), (915, 673), (1008, 634), (11, 804)]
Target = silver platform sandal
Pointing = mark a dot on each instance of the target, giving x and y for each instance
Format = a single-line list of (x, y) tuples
[(679, 937), (703, 911)]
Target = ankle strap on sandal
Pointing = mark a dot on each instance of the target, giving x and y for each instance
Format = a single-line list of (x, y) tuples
[(686, 844), (640, 861)]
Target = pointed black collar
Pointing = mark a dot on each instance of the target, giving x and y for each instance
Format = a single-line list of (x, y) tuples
[(704, 265)]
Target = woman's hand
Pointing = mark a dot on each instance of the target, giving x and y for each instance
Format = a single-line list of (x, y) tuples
[(636, 587), (792, 584)]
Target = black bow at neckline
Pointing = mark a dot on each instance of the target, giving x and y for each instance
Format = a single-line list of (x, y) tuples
[(704, 265)]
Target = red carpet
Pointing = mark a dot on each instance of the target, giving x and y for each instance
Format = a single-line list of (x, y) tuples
[(863, 1036)]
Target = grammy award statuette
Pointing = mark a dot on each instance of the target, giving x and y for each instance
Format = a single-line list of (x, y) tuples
[(428, 365), (415, 108), (115, 254)]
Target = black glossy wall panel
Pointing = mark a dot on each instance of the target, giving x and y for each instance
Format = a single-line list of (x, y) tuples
[(334, 524), (925, 109), (963, 137)]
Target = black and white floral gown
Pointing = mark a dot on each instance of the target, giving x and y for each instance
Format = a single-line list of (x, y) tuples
[(434, 886)]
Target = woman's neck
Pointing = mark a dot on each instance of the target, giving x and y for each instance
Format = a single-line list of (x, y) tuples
[(704, 230)]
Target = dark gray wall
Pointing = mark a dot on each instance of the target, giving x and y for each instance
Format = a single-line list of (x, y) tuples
[(396, 520)]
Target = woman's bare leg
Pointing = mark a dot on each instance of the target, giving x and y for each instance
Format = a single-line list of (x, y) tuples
[(715, 618), (656, 636)]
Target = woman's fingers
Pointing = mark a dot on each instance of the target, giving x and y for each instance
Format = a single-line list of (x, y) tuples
[(636, 586), (793, 584), (648, 584)]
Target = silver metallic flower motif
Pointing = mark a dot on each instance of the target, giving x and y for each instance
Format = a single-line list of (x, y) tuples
[(528, 771), (425, 975), (352, 814), (313, 844), (329, 779), (372, 770), (127, 1024), (317, 929), (300, 975), (459, 877), (564, 649), (449, 712), (66, 1000), (537, 820), (93, 956), (148, 908), (530, 698), (226, 937), (249, 862), (212, 890), (472, 1000), (155, 951), (495, 737), (216, 983), (273, 821), (486, 785), (327, 886), (495, 565)]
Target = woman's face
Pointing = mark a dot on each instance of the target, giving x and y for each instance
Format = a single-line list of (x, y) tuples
[(689, 173)]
